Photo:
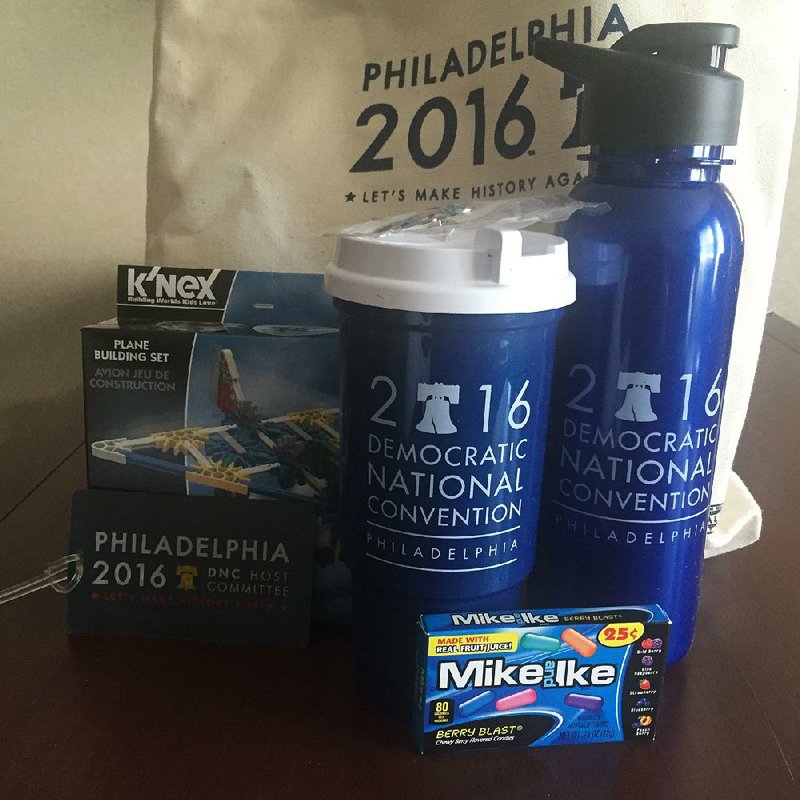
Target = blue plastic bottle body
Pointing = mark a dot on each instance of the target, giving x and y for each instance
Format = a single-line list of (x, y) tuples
[(638, 388), (443, 432)]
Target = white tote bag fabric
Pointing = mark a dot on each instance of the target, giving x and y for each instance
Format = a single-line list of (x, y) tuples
[(276, 123)]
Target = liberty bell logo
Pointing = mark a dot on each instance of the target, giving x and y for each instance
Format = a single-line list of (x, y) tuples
[(638, 387), (187, 573), (438, 397)]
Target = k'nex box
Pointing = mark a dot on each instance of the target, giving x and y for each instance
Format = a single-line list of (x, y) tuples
[(534, 678), (221, 382)]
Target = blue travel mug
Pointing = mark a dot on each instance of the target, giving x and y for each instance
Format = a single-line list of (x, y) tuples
[(447, 350)]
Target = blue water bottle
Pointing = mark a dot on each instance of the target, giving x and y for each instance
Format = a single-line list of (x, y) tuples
[(641, 357), (447, 348)]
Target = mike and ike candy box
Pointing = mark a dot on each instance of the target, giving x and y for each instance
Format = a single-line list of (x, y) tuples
[(535, 678)]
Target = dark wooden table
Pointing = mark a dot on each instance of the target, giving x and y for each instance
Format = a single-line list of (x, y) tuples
[(86, 717)]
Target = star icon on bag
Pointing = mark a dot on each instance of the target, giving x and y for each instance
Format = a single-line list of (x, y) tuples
[(350, 196)]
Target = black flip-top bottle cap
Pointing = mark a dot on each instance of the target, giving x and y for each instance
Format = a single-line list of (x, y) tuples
[(659, 85)]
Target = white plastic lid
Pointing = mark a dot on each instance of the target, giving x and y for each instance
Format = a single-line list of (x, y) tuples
[(483, 271)]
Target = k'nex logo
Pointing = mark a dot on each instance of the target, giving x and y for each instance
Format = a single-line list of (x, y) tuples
[(159, 284)]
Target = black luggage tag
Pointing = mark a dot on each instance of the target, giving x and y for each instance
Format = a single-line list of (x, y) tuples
[(210, 568)]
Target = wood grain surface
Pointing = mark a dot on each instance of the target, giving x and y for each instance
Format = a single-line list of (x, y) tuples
[(93, 717)]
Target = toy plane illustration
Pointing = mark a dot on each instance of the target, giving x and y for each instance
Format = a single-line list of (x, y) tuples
[(285, 456)]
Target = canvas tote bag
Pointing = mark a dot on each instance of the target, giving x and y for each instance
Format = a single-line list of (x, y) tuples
[(275, 123)]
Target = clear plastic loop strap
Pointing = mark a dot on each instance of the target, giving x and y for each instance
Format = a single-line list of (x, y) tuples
[(445, 221), (62, 575)]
